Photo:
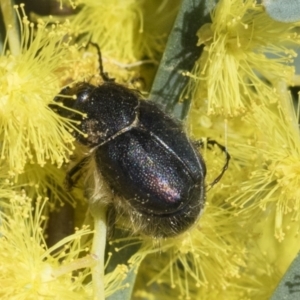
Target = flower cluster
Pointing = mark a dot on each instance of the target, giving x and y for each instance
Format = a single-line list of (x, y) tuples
[(246, 53), (248, 232)]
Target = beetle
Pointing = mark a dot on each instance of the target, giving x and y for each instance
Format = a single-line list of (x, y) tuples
[(143, 154)]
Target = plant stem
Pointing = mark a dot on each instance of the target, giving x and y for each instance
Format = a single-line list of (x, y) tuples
[(11, 24), (98, 212)]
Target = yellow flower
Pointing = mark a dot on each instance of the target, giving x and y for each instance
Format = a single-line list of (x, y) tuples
[(246, 53), (275, 182), (207, 258), (30, 130), (30, 270), (215, 262), (268, 198), (40, 180), (126, 30)]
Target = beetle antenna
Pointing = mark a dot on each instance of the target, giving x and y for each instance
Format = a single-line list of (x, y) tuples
[(103, 74), (225, 167)]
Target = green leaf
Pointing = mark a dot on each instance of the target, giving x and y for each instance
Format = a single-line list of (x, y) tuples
[(289, 287), (283, 11), (180, 55)]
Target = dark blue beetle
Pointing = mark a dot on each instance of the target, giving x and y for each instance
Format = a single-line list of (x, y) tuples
[(143, 154)]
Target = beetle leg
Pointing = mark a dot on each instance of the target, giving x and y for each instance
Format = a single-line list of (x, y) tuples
[(225, 167), (209, 142), (69, 180)]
